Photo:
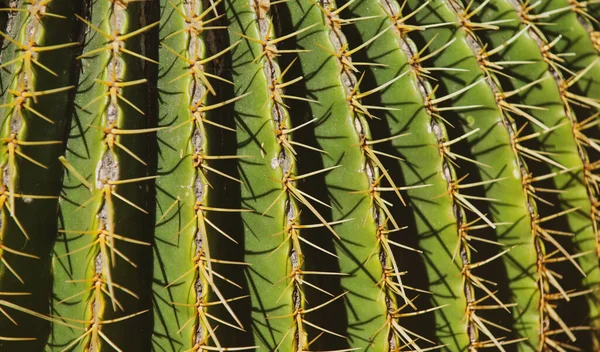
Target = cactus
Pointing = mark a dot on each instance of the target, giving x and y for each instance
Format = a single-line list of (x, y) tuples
[(310, 175)]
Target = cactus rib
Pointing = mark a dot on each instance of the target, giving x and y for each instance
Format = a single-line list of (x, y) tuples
[(98, 249), (35, 91), (310, 175)]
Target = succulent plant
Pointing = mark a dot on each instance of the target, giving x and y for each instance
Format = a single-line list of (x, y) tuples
[(300, 175)]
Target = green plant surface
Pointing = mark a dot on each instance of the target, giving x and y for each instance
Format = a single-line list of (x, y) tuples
[(176, 228), (546, 96), (422, 166), (326, 80), (103, 238), (578, 75), (261, 190), (493, 190), (198, 175), (577, 42), (189, 188), (593, 9), (514, 49), (34, 107)]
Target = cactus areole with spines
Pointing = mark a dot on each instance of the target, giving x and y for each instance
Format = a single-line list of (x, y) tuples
[(299, 175)]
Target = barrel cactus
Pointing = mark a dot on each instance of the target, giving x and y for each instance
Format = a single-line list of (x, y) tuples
[(300, 175)]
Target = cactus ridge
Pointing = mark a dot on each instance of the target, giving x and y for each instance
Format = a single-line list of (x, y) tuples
[(195, 84), (501, 105), (392, 288), (232, 175), (96, 239), (430, 103), (34, 86), (458, 191)]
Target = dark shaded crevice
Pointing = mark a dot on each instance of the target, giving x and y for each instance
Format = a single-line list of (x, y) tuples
[(82, 8), (151, 10), (38, 217), (3, 23)]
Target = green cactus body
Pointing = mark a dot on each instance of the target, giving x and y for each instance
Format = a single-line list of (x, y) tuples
[(261, 191), (425, 181), (331, 82), (510, 49), (361, 175), (542, 107), (185, 263), (362, 250), (34, 108), (578, 77), (473, 110), (290, 285), (103, 236), (389, 51), (179, 285)]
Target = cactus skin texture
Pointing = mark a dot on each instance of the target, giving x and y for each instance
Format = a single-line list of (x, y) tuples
[(307, 175)]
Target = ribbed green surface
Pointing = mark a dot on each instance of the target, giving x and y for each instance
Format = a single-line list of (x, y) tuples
[(175, 230), (299, 176), (362, 312), (81, 298)]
